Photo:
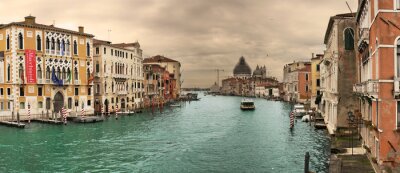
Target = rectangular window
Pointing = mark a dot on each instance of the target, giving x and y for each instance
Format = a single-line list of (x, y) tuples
[(21, 91), (1, 105), (97, 50), (1, 91), (9, 105), (89, 91), (40, 91), (40, 104), (8, 91), (22, 105), (317, 67), (377, 114), (318, 83), (306, 88), (89, 102), (76, 91), (97, 67), (105, 51), (112, 52), (306, 77), (69, 103)]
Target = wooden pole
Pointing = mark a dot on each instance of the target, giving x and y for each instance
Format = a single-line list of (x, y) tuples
[(307, 162)]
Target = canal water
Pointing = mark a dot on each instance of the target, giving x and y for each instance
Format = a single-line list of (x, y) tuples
[(211, 135)]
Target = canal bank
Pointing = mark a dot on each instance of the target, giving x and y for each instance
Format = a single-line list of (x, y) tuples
[(211, 135)]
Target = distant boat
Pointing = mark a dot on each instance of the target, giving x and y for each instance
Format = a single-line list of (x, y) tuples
[(247, 104), (299, 110), (175, 105)]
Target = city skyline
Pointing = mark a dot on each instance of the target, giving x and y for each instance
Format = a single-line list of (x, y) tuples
[(202, 35)]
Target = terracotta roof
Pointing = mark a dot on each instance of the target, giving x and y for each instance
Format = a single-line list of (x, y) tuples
[(158, 58), (96, 41), (42, 26)]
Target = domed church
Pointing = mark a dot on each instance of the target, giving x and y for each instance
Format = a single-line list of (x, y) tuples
[(242, 69)]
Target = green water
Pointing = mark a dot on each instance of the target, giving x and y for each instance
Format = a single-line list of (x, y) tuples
[(211, 135)]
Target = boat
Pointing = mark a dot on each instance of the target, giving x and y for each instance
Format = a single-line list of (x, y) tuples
[(175, 105), (299, 110), (247, 104)]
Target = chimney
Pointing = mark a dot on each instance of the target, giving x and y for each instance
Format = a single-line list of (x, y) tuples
[(81, 29), (30, 19)]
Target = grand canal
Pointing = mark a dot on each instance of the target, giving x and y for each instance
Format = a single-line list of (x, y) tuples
[(211, 135)]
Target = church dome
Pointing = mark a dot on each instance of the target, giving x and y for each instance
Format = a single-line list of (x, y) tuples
[(242, 68)]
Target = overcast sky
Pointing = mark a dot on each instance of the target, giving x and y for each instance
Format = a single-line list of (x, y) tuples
[(202, 34)]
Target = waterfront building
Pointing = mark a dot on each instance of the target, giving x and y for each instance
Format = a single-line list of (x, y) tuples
[(315, 79), (174, 69), (45, 68), (267, 90), (297, 82), (378, 57), (118, 76), (159, 85), (338, 72), (244, 81), (215, 89)]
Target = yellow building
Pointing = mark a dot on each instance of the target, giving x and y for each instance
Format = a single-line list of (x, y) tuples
[(45, 67), (316, 82)]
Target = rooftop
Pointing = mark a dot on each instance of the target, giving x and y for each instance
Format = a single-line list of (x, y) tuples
[(158, 59)]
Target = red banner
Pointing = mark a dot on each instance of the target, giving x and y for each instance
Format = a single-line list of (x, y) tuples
[(30, 66)]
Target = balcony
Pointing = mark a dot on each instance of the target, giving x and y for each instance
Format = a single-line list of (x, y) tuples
[(364, 37), (368, 88), (77, 82), (122, 92)]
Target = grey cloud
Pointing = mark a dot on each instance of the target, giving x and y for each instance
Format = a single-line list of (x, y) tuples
[(203, 35)]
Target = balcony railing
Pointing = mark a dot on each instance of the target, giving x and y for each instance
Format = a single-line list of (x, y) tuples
[(367, 88), (40, 81), (77, 82), (122, 92)]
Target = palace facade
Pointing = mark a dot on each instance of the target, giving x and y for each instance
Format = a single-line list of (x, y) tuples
[(118, 76), (45, 68)]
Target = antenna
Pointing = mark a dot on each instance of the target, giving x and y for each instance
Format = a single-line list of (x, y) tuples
[(348, 6)]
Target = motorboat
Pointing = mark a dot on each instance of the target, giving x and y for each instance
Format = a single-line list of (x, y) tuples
[(247, 104), (299, 110)]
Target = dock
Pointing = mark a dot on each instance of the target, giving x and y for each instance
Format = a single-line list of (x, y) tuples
[(88, 119), (47, 121), (13, 124), (320, 126)]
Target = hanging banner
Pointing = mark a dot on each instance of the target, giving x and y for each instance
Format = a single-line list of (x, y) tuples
[(30, 66)]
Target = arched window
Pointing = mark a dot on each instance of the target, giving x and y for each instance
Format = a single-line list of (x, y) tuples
[(75, 48), (76, 74), (87, 74), (105, 87), (20, 41), (69, 74), (105, 67), (39, 72), (53, 44), (87, 49), (64, 74), (38, 43), (112, 87), (48, 72), (8, 72), (59, 73), (8, 42), (349, 39), (21, 72), (47, 43), (58, 46), (62, 47), (67, 46)]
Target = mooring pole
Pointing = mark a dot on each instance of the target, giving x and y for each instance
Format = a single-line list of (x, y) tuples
[(306, 162)]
